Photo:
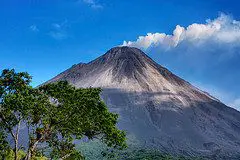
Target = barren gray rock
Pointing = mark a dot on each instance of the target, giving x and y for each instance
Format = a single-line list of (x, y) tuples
[(157, 107)]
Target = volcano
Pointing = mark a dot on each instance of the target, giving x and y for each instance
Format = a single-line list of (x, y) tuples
[(157, 108)]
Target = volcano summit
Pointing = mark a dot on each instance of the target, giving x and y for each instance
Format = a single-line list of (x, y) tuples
[(158, 108)]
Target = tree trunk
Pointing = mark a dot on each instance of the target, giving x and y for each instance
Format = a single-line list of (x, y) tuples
[(15, 145), (15, 151), (64, 157), (31, 149), (16, 142), (15, 137), (29, 155)]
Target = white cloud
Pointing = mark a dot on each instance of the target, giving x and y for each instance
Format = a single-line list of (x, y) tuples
[(57, 26), (220, 30), (58, 31), (34, 28), (93, 4)]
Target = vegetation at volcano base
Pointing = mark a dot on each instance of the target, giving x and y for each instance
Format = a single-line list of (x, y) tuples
[(55, 115)]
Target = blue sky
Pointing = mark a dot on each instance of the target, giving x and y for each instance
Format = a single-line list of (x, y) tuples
[(46, 37)]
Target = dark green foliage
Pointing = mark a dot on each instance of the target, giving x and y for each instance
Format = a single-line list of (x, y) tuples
[(144, 154), (55, 115), (4, 146), (20, 103), (95, 150), (80, 113)]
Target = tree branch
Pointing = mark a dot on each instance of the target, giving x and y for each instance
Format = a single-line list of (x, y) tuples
[(32, 148), (66, 156)]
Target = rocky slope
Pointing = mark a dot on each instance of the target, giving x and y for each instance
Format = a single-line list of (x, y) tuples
[(157, 108)]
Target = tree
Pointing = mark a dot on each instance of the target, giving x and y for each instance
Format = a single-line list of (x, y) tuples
[(55, 115), (19, 104), (80, 113)]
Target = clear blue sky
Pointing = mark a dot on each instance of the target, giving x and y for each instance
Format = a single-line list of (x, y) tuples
[(46, 37)]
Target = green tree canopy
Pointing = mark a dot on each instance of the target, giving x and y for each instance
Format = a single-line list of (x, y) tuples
[(55, 115), (19, 103), (79, 113)]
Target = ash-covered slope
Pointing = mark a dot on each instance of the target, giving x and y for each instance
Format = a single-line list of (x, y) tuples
[(158, 108)]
